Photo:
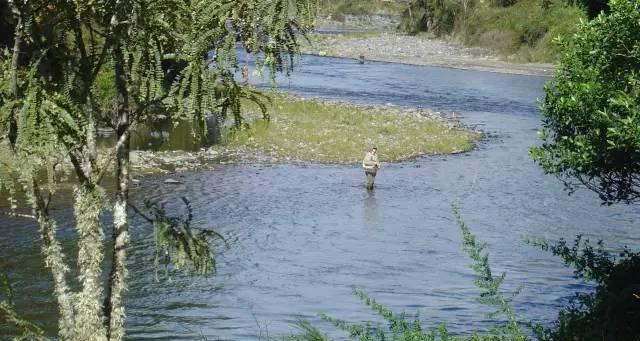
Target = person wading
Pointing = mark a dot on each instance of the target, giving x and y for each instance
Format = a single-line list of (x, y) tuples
[(371, 165)]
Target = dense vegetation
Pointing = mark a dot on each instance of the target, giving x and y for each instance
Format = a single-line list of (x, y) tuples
[(72, 67), (612, 312), (590, 139), (591, 125), (521, 30), (338, 9), (590, 136)]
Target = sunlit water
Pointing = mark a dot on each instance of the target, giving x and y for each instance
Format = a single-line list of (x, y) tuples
[(301, 237)]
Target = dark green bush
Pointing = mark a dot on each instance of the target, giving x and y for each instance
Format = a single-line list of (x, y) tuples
[(612, 312), (593, 7), (591, 124)]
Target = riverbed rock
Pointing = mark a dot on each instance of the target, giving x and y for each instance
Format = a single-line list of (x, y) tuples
[(171, 181)]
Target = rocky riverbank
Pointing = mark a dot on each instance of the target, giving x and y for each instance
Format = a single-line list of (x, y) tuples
[(416, 50)]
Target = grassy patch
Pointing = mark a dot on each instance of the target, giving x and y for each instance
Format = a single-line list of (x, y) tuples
[(524, 31), (339, 8), (312, 130)]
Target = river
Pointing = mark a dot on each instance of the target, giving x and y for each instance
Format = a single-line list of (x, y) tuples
[(302, 236)]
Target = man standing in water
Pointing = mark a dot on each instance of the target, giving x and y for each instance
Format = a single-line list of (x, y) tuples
[(371, 165)]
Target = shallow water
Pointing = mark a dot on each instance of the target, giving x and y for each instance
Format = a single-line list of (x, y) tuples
[(302, 236)]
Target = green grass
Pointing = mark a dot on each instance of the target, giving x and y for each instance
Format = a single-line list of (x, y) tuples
[(311, 130), (339, 8), (523, 32)]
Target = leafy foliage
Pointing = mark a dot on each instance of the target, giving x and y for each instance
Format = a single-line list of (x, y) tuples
[(7, 310), (612, 312), (519, 30), (75, 67), (591, 125), (436, 16), (175, 239), (492, 295), (593, 7)]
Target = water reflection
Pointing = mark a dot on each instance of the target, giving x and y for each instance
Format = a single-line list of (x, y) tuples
[(371, 214)]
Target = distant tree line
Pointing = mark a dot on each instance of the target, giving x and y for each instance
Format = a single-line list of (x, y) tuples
[(440, 16)]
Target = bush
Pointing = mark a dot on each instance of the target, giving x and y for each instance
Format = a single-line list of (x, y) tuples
[(435, 16), (340, 8), (530, 27), (591, 125), (612, 312), (523, 30)]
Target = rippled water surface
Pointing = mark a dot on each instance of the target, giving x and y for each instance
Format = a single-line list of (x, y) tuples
[(300, 237)]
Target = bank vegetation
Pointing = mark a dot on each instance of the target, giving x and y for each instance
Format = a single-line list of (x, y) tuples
[(519, 30)]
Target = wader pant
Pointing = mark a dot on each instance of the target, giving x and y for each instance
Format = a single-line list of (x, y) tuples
[(371, 177)]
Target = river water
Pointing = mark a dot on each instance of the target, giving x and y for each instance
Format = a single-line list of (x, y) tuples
[(302, 236)]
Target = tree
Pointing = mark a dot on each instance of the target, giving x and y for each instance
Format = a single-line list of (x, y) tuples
[(591, 124), (593, 7), (436, 16), (105, 64)]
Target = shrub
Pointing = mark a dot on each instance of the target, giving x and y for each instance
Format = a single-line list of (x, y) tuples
[(436, 16), (591, 124), (523, 29), (530, 27), (612, 312)]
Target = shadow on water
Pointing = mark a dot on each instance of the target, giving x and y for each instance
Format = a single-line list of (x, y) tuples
[(302, 236), (371, 214), (163, 134)]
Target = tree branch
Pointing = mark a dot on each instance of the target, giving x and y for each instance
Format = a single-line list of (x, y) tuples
[(140, 213), (13, 122), (111, 156)]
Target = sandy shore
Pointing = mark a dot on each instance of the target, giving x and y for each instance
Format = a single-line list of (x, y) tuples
[(417, 50)]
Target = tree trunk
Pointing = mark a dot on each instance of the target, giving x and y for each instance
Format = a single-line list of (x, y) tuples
[(115, 306), (13, 120), (89, 201), (54, 260)]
